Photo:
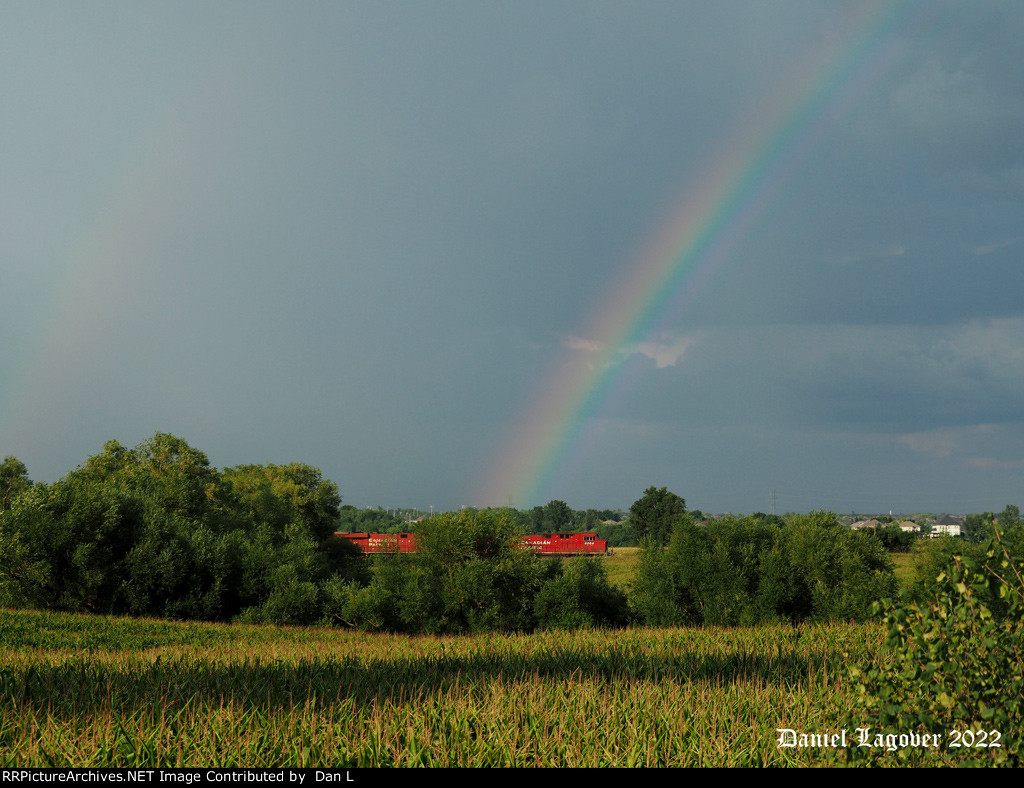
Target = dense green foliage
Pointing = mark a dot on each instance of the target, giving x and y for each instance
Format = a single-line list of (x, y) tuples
[(554, 517), (955, 663), (557, 517), (470, 575), (381, 521), (655, 515), (616, 534), (157, 531), (928, 557), (13, 481), (895, 539), (976, 528), (749, 570)]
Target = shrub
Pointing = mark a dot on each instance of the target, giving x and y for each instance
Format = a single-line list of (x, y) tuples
[(157, 531), (471, 574), (654, 598), (740, 571), (895, 539), (578, 594), (954, 665)]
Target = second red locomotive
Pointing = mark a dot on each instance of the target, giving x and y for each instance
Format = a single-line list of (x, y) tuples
[(566, 544)]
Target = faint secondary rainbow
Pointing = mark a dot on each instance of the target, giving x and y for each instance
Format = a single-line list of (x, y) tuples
[(104, 254), (714, 214)]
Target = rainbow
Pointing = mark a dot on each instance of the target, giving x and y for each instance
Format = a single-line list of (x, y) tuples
[(715, 212)]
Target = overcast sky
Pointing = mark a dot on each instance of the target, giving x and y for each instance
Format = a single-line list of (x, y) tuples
[(370, 235)]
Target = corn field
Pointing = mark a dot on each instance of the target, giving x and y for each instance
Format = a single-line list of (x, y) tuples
[(109, 692)]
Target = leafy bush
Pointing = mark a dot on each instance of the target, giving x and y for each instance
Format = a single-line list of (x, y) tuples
[(955, 665), (616, 534), (839, 573), (895, 539), (577, 594), (929, 559), (156, 531), (470, 574), (749, 570)]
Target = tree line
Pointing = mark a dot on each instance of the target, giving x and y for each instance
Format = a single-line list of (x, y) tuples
[(157, 531)]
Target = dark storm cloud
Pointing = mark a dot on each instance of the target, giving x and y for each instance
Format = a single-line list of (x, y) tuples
[(366, 235)]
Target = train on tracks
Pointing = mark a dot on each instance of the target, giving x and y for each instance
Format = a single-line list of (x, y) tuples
[(544, 545)]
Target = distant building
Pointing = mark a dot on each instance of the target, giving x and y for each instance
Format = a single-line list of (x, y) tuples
[(861, 525), (947, 525)]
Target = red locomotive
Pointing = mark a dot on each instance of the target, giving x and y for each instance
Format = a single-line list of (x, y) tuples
[(381, 543), (555, 545), (566, 544)]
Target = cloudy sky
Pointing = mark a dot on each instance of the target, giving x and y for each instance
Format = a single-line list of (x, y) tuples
[(473, 253)]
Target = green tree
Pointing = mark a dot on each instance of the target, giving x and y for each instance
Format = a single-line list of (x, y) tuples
[(1009, 517), (285, 499), (839, 573), (976, 528), (24, 566), (354, 520), (289, 514), (13, 481), (558, 516), (75, 534), (656, 598), (655, 514), (617, 534), (157, 531), (895, 539), (471, 574), (577, 593), (178, 475), (746, 571), (720, 572)]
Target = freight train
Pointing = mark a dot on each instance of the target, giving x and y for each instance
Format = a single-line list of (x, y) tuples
[(546, 545)]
